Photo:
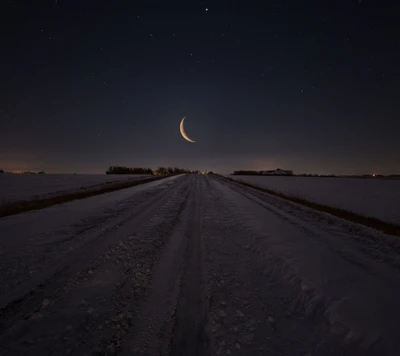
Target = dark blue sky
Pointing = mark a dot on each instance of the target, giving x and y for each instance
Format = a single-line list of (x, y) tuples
[(311, 86)]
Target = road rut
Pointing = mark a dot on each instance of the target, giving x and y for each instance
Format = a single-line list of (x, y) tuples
[(195, 265)]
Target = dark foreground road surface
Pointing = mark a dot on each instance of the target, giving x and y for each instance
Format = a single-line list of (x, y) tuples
[(195, 265)]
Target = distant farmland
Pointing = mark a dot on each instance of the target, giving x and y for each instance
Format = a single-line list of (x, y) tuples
[(15, 187), (375, 198)]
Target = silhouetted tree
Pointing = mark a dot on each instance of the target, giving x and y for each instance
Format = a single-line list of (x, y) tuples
[(127, 170), (161, 171), (140, 170), (246, 173), (1, 171)]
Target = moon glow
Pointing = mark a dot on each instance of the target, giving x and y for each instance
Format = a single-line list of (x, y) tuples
[(183, 133)]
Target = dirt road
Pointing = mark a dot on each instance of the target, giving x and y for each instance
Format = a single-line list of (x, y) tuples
[(195, 265)]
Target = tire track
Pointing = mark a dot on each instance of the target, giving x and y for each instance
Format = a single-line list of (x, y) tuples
[(47, 286), (164, 319), (253, 310), (347, 294), (190, 334)]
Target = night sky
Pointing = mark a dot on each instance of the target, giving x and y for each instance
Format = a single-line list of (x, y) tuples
[(312, 86)]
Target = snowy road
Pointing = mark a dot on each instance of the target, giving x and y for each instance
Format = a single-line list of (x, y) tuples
[(195, 265)]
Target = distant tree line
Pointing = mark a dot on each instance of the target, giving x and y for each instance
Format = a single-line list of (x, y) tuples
[(246, 173), (23, 172), (163, 171), (128, 170), (160, 171), (273, 172)]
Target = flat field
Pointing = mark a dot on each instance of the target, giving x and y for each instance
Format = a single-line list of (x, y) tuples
[(17, 187), (378, 198)]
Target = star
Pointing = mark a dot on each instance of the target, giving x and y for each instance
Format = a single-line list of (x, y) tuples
[(206, 8)]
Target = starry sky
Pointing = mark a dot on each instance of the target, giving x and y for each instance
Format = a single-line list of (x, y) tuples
[(311, 86)]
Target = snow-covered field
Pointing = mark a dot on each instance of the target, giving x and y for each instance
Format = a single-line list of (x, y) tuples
[(14, 187), (371, 197)]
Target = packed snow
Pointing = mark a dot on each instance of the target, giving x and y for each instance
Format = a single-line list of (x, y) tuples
[(378, 198), (15, 187), (195, 265)]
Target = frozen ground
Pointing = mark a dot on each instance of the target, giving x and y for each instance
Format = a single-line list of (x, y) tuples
[(371, 197), (195, 265), (27, 187)]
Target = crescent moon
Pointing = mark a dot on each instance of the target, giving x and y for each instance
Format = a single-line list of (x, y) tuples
[(183, 133)]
